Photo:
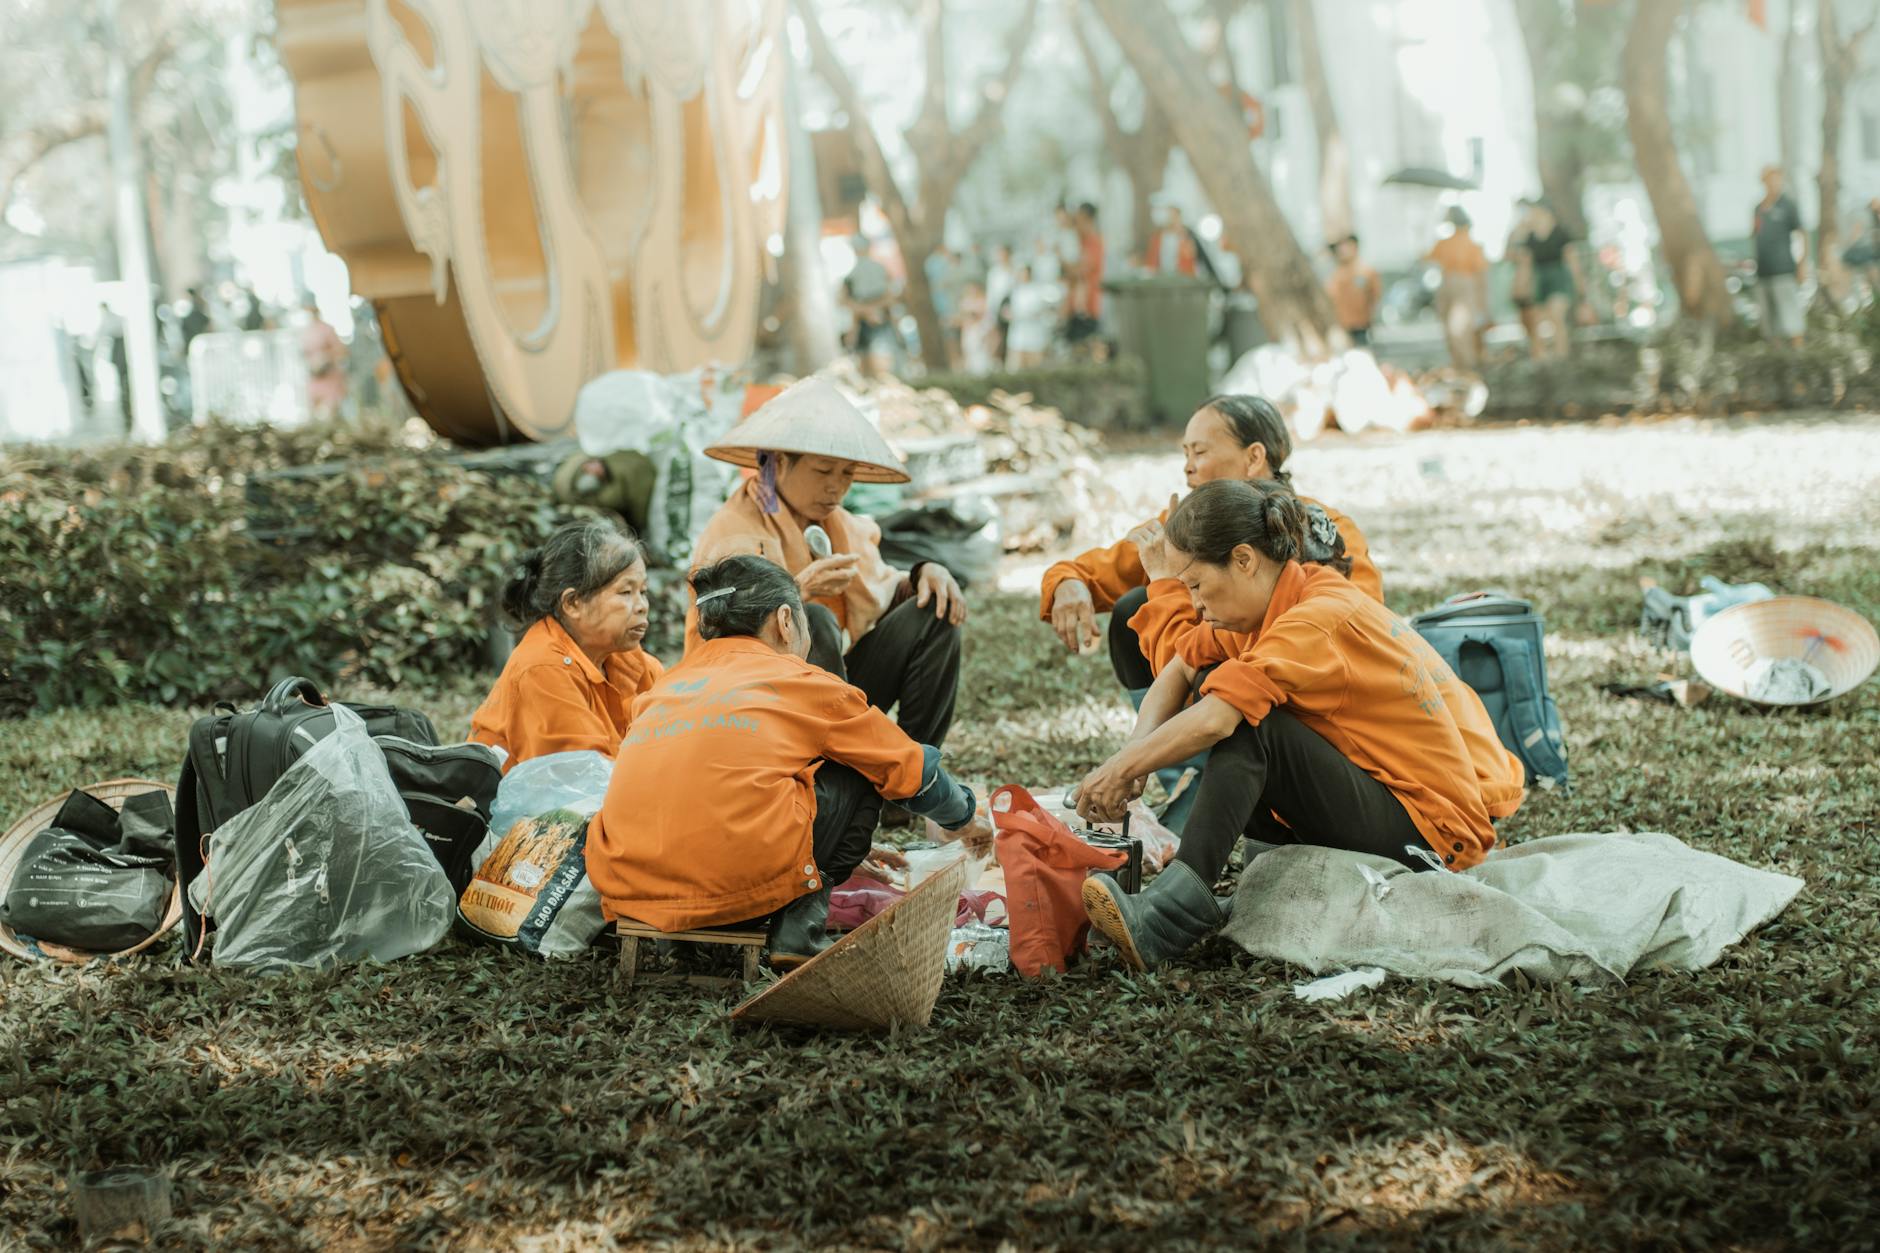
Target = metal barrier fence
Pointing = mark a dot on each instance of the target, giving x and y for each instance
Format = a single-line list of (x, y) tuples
[(248, 377)]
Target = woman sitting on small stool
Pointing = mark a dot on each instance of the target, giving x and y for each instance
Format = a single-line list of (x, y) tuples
[(1328, 720), (752, 781)]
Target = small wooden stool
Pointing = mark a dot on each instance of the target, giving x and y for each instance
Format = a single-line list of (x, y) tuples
[(631, 933)]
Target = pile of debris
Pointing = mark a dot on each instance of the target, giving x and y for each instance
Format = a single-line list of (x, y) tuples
[(1353, 392), (1037, 471)]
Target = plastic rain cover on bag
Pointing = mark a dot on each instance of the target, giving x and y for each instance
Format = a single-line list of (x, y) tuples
[(327, 867)]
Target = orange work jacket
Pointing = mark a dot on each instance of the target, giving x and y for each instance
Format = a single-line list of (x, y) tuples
[(550, 698), (1365, 680), (1170, 615), (709, 814)]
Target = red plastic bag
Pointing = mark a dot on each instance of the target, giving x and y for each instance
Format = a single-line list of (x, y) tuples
[(1045, 867)]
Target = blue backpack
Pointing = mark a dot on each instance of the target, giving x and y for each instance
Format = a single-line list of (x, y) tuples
[(1493, 643)]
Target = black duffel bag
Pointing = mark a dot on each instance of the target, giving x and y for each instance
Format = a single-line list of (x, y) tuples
[(236, 756), (95, 879)]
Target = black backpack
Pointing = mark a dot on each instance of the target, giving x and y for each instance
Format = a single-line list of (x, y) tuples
[(1493, 643), (236, 756)]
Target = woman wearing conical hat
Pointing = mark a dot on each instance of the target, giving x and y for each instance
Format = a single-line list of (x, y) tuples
[(892, 633)]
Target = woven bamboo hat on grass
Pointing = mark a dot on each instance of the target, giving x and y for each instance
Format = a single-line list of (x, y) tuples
[(13, 847), (810, 417), (1836, 648), (885, 973)]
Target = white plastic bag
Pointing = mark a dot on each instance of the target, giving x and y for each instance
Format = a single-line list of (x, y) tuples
[(326, 868), (531, 890), (671, 418)]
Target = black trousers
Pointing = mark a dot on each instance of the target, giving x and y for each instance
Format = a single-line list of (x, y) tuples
[(1283, 766), (1132, 668), (910, 659), (848, 809)]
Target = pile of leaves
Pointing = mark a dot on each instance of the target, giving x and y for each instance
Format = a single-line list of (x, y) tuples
[(137, 574), (1043, 476), (1113, 396)]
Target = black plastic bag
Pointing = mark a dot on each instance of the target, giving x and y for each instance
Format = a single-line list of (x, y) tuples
[(954, 534), (96, 879)]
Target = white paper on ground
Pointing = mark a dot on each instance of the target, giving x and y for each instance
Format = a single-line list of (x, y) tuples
[(1338, 987)]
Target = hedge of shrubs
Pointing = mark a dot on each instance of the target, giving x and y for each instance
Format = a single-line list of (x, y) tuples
[(1109, 397), (134, 574)]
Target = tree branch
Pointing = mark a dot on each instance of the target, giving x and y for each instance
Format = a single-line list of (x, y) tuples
[(862, 138), (19, 153), (1099, 86), (23, 150), (930, 124), (976, 133)]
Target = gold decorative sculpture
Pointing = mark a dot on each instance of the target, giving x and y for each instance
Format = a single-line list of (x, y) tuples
[(532, 192)]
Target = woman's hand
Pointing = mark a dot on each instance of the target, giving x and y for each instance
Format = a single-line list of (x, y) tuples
[(1105, 793), (881, 864), (1074, 615), (936, 584), (977, 835), (827, 577), (1151, 541)]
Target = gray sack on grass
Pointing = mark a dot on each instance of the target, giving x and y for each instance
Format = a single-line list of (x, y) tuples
[(1587, 907)]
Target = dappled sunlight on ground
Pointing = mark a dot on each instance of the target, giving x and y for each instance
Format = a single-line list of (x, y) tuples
[(470, 1098)]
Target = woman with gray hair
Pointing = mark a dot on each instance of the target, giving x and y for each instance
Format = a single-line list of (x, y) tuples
[(580, 602)]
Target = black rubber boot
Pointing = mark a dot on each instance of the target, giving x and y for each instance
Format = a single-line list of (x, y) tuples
[(796, 930), (1159, 923)]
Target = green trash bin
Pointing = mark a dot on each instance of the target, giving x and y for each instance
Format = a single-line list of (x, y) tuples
[(1162, 319)]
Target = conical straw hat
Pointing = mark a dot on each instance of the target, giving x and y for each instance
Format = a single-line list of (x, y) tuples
[(13, 847), (885, 973), (812, 417), (1832, 638)]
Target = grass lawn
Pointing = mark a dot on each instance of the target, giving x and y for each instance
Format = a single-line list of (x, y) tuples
[(465, 1099)]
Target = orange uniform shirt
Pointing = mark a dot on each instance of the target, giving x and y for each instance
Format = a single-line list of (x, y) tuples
[(550, 698), (1365, 680), (1170, 615), (708, 816)]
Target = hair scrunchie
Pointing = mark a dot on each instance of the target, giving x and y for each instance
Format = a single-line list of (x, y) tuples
[(1321, 535)]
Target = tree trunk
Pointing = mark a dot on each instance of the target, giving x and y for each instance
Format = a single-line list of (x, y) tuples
[(945, 153), (1143, 153), (1839, 60), (1787, 109), (916, 247), (806, 304), (1694, 266), (1293, 304), (1334, 160), (1557, 151)]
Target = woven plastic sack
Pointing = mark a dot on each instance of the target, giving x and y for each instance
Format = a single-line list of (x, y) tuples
[(671, 419), (1045, 868), (326, 868), (531, 890)]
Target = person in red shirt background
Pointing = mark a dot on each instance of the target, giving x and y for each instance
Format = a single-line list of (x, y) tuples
[(1086, 287)]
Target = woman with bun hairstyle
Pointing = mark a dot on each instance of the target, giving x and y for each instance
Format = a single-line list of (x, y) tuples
[(752, 781), (1326, 718), (1229, 437), (580, 602)]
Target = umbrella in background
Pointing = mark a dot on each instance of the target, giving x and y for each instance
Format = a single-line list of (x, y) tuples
[(1424, 176)]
